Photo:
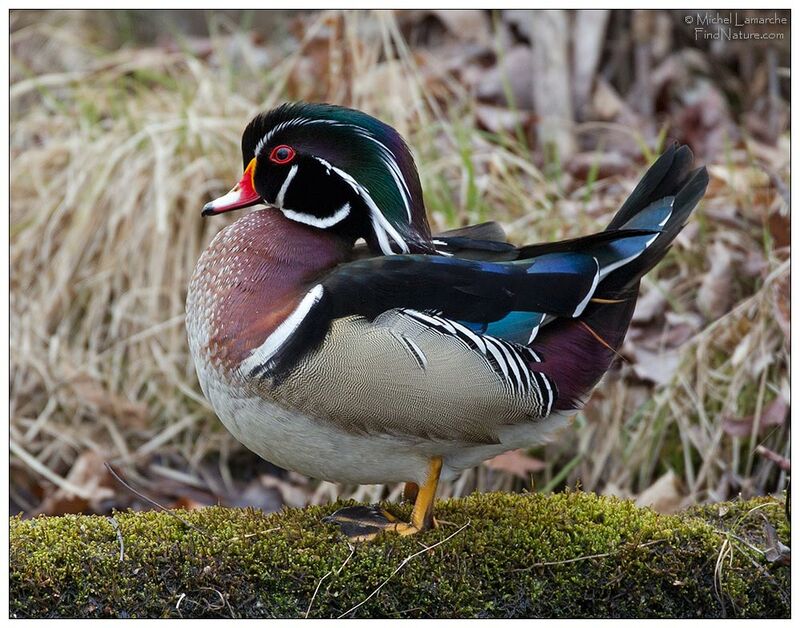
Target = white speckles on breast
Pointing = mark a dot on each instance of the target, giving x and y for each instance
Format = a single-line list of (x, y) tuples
[(217, 272), (249, 278)]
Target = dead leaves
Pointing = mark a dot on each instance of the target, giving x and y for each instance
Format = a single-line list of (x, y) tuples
[(655, 366), (664, 495), (776, 551), (715, 296), (598, 164), (780, 299), (428, 72), (468, 25), (94, 487), (512, 78), (517, 463), (502, 120), (775, 414)]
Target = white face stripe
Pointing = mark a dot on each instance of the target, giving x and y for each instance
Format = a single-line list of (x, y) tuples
[(347, 178), (308, 219), (323, 223), (263, 353), (387, 156), (380, 225), (285, 186), (324, 163), (280, 127), (383, 241)]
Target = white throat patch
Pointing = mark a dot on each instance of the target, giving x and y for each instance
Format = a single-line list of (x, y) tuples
[(315, 221)]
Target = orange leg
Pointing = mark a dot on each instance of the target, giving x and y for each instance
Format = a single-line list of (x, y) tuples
[(422, 515)]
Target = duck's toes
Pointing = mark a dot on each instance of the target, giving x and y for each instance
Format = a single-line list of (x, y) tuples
[(364, 523)]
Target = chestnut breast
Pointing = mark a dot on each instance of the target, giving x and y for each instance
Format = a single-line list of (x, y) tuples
[(252, 276)]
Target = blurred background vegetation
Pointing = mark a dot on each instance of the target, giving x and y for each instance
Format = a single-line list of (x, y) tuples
[(124, 123)]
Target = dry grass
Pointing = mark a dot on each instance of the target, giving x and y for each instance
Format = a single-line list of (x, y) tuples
[(115, 152)]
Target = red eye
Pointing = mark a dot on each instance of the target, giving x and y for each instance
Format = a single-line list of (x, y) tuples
[(282, 154)]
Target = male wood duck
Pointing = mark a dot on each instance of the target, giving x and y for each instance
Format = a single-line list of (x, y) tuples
[(409, 357)]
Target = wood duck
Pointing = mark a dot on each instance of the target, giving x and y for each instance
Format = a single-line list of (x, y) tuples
[(408, 357)]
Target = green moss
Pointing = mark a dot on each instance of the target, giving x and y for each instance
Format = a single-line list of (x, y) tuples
[(565, 555)]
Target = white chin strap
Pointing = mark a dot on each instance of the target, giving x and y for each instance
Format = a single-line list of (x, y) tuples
[(316, 221)]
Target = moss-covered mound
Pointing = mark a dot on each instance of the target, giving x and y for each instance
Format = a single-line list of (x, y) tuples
[(495, 555)]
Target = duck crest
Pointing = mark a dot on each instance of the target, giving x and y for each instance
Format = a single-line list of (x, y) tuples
[(369, 155), (248, 281)]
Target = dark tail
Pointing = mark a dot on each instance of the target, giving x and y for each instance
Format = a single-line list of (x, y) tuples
[(577, 352), (669, 183)]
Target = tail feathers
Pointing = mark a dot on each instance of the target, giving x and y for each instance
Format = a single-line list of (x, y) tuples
[(622, 255), (666, 216), (642, 231), (666, 177), (654, 217), (576, 352)]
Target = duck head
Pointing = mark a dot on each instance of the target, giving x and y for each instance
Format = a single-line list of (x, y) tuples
[(335, 169)]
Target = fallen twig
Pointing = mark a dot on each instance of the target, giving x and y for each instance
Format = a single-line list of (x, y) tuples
[(400, 566), (337, 572), (178, 605), (152, 501), (223, 598), (580, 558)]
